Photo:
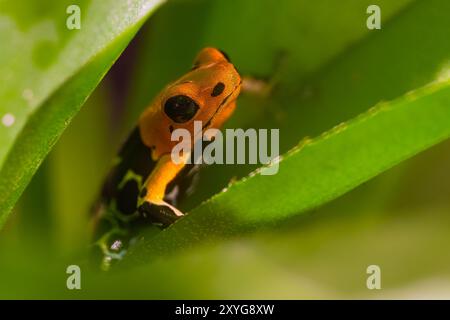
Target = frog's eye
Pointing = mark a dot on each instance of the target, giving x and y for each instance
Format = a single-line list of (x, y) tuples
[(180, 108)]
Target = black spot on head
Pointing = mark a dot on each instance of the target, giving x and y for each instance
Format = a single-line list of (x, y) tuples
[(218, 89), (127, 197), (225, 55)]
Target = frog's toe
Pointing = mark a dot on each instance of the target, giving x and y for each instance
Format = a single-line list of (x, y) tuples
[(162, 214)]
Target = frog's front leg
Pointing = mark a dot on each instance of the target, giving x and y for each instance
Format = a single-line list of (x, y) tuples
[(151, 203)]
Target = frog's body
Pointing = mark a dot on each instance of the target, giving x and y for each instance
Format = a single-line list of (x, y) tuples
[(144, 174)]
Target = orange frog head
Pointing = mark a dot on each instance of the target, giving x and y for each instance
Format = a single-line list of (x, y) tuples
[(207, 93)]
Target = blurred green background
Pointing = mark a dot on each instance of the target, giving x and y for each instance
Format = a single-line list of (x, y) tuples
[(327, 68)]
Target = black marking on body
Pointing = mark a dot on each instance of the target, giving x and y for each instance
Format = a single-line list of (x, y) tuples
[(127, 197), (186, 180), (143, 192), (134, 156), (171, 128), (218, 89), (184, 183)]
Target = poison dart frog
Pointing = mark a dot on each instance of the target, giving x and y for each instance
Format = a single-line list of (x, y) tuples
[(144, 184)]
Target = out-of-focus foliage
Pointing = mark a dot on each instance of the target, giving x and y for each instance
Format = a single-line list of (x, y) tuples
[(327, 67), (47, 71)]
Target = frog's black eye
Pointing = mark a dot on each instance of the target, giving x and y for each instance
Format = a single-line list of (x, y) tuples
[(180, 108)]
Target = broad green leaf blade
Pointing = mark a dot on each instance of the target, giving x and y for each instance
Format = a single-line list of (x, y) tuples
[(410, 51), (316, 171), (48, 72)]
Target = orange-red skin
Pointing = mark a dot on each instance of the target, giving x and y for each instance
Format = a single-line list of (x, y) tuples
[(210, 67)]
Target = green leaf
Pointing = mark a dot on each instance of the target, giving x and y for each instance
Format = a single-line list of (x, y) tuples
[(316, 171), (48, 72)]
